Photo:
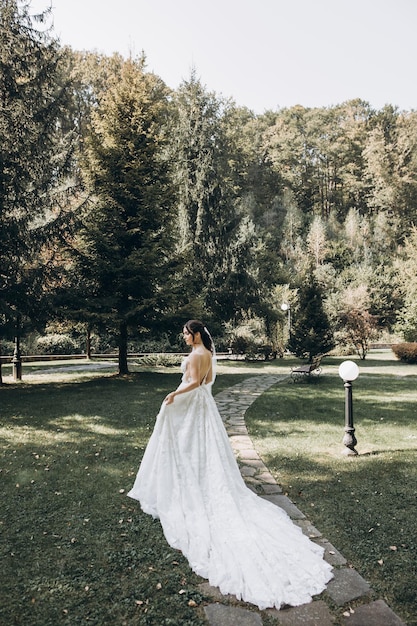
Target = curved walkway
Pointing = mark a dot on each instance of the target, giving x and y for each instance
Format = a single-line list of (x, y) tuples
[(347, 585)]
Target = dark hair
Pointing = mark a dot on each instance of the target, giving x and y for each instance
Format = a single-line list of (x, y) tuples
[(195, 326)]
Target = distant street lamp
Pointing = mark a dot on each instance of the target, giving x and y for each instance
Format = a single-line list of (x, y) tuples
[(348, 372), (286, 307)]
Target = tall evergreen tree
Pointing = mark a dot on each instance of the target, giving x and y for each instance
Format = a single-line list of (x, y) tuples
[(124, 245), (215, 234), (34, 155), (311, 333), (406, 266)]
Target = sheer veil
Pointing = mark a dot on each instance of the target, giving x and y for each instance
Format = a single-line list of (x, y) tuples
[(214, 357)]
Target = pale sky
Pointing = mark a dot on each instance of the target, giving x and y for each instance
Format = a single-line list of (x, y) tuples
[(265, 54)]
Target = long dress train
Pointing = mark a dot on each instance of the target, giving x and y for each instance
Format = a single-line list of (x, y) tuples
[(241, 543)]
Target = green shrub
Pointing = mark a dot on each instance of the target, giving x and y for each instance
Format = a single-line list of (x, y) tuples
[(6, 347), (406, 352), (159, 359), (260, 353), (158, 344), (56, 344), (241, 344)]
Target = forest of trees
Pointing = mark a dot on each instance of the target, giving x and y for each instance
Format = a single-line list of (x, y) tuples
[(127, 208)]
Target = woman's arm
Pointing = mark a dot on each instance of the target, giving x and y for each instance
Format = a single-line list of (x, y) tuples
[(193, 373)]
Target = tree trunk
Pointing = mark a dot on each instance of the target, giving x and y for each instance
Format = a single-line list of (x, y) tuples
[(123, 369), (88, 343), (1, 376)]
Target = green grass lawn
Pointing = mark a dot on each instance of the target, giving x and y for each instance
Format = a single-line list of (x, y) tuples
[(366, 505), (76, 550)]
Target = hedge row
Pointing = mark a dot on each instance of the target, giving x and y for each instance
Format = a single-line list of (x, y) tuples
[(165, 360)]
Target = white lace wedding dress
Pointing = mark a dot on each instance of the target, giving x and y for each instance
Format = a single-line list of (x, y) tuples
[(241, 543)]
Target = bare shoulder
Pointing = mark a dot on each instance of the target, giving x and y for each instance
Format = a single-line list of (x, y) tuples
[(198, 357)]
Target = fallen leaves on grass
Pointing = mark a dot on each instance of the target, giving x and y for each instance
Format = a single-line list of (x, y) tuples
[(348, 613)]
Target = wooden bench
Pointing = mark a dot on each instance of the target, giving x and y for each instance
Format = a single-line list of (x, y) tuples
[(307, 370)]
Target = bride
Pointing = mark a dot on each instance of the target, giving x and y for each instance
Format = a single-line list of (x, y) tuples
[(189, 479)]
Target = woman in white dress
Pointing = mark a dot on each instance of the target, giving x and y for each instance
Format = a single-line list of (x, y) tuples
[(190, 480)]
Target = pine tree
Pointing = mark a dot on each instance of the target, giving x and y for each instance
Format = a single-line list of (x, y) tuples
[(124, 247), (311, 333), (216, 237), (34, 155)]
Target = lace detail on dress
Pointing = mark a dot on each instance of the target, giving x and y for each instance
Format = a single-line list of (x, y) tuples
[(184, 365), (241, 543)]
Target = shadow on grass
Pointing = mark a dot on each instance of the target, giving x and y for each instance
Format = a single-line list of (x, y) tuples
[(376, 398), (119, 403), (74, 549)]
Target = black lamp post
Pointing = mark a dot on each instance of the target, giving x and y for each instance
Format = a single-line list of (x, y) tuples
[(285, 306), (348, 372)]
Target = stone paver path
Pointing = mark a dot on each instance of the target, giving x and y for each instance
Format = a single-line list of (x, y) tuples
[(347, 585)]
